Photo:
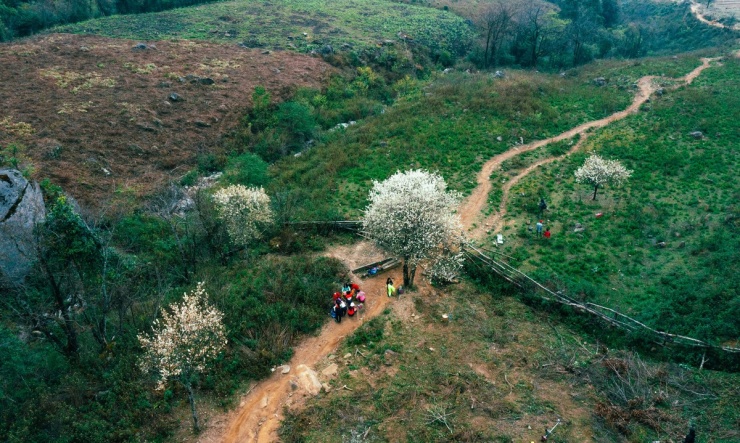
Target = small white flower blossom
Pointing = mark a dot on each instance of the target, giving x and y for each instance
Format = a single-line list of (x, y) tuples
[(245, 211), (184, 341)]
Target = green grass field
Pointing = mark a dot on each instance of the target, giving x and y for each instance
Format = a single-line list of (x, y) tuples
[(684, 192), (302, 25)]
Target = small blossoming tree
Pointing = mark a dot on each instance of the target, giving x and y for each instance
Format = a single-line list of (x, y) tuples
[(184, 342), (245, 211), (412, 215), (597, 171)]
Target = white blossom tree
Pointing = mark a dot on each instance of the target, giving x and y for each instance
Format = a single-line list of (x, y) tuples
[(597, 171), (245, 211), (184, 342), (412, 215)]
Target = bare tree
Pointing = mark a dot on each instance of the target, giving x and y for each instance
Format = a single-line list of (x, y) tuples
[(497, 19)]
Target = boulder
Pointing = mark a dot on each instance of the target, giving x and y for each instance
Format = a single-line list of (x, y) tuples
[(308, 380), (327, 49), (600, 81), (206, 81), (578, 228), (330, 371), (140, 47), (21, 209), (697, 134), (175, 97), (499, 74)]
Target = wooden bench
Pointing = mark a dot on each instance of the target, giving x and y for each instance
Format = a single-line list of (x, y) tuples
[(382, 265)]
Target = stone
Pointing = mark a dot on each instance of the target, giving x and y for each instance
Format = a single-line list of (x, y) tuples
[(327, 49), (308, 380), (293, 385), (697, 134), (330, 371), (347, 355), (578, 228), (286, 369), (659, 92), (499, 138), (661, 244), (21, 209), (499, 74), (202, 124), (165, 84), (140, 47), (175, 97), (389, 357), (265, 400), (600, 81), (206, 81), (326, 387), (267, 52)]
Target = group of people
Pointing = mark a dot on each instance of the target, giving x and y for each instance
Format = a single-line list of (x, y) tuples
[(347, 301), (350, 299)]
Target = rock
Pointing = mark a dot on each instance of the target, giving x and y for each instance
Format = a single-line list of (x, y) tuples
[(499, 139), (140, 47), (293, 385), (661, 244), (206, 81), (192, 78), (266, 52), (697, 134), (578, 228), (202, 124), (165, 84), (326, 387), (600, 81), (308, 380), (264, 401), (499, 74), (175, 97), (21, 209), (330, 371), (447, 70), (659, 92), (389, 357), (84, 49), (286, 369), (347, 355), (327, 49), (682, 244)]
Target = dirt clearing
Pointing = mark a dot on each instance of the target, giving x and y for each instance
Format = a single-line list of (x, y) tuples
[(100, 115)]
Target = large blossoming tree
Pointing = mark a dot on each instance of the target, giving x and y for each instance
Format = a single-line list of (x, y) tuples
[(413, 215), (245, 211), (597, 171), (184, 342)]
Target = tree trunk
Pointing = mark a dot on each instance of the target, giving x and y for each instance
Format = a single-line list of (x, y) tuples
[(406, 276), (192, 407), (413, 274), (596, 188)]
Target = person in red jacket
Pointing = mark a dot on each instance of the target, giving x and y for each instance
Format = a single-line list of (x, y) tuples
[(547, 233)]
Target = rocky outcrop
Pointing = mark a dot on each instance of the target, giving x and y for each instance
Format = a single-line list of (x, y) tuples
[(21, 208)]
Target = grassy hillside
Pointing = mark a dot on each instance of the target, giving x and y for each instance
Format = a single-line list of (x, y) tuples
[(684, 192), (456, 123), (303, 25), (501, 372)]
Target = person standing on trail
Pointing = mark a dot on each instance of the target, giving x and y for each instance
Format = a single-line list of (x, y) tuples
[(539, 226), (543, 205), (547, 233), (389, 287)]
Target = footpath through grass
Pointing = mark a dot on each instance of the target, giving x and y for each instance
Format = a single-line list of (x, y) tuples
[(666, 247), (453, 125), (302, 25)]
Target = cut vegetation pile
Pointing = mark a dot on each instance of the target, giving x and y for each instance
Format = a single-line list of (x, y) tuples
[(98, 115)]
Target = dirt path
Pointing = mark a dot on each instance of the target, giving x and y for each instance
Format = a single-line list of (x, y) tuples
[(472, 207), (696, 10), (261, 410)]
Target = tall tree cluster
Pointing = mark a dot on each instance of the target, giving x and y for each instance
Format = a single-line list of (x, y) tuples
[(562, 33)]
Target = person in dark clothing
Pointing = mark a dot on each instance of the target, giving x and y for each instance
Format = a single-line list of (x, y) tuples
[(690, 437)]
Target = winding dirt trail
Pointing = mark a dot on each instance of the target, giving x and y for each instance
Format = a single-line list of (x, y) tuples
[(473, 206), (696, 10), (260, 412)]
